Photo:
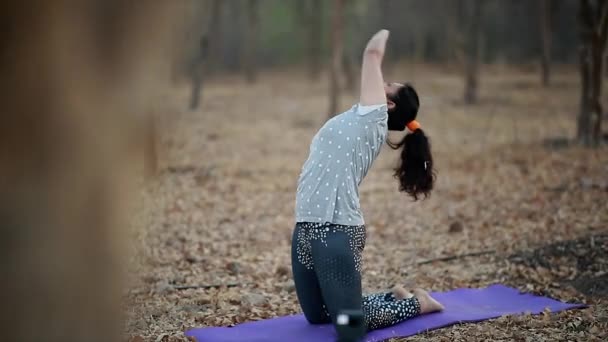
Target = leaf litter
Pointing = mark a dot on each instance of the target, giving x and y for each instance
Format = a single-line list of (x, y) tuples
[(218, 217)]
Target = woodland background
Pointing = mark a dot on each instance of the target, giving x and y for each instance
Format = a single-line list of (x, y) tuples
[(150, 153)]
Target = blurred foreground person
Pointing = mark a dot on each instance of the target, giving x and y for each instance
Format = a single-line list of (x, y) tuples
[(329, 235), (71, 77)]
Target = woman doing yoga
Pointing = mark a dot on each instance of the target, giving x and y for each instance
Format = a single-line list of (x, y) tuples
[(329, 234)]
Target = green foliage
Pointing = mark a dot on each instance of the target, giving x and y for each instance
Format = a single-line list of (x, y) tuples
[(427, 30), (277, 28)]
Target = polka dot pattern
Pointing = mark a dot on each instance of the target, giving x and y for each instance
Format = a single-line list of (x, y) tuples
[(341, 154), (336, 275), (318, 231), (383, 310)]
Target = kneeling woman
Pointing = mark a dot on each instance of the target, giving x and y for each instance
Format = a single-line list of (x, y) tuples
[(329, 235)]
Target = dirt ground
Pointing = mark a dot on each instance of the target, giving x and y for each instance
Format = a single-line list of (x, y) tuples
[(221, 211)]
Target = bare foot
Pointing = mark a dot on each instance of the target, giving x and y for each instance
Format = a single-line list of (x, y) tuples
[(427, 303), (400, 293)]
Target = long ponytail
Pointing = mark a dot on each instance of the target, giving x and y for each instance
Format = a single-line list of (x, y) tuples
[(415, 171)]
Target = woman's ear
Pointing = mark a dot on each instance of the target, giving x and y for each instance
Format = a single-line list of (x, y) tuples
[(390, 104)]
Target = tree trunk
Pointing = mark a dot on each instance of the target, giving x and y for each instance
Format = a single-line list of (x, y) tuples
[(195, 94), (545, 29), (67, 159), (585, 28), (199, 64), (472, 67), (337, 51), (250, 55), (601, 34), (150, 147), (593, 23), (315, 39), (197, 72), (583, 122)]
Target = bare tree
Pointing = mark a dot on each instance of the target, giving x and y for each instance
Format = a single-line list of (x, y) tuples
[(545, 33), (150, 146), (250, 54), (197, 72), (593, 23), (337, 52), (206, 57), (472, 53)]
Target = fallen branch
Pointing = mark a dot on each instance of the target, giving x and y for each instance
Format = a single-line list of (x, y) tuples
[(215, 286), (454, 257)]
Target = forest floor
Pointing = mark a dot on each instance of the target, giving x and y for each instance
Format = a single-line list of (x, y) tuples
[(221, 209)]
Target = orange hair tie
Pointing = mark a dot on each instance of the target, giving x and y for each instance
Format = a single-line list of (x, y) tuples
[(413, 125)]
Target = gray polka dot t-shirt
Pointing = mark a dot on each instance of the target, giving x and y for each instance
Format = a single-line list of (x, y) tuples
[(341, 154)]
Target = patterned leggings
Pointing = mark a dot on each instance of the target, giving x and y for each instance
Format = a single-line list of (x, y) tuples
[(326, 263)]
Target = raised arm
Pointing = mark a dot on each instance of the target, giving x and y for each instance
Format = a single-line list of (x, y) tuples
[(372, 82)]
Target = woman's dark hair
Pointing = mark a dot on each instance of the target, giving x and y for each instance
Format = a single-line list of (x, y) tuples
[(415, 171)]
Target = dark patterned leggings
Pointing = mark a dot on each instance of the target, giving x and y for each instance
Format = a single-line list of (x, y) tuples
[(326, 263)]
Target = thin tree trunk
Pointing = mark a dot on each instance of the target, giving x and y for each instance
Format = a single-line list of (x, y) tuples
[(583, 135), (337, 51), (197, 72), (199, 64), (150, 147), (596, 104), (601, 34), (471, 67), (593, 33), (250, 55), (195, 94), (545, 29), (585, 24), (315, 39)]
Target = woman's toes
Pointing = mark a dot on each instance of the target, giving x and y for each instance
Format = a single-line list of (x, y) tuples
[(400, 293), (427, 303)]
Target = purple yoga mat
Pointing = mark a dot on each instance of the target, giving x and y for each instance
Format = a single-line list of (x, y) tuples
[(461, 305)]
